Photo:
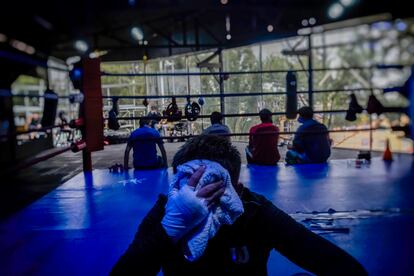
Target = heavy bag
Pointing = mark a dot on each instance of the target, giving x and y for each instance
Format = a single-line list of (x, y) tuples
[(192, 110), (145, 102), (49, 108), (113, 120), (374, 106), (112, 115), (353, 109), (291, 95), (201, 101), (172, 112)]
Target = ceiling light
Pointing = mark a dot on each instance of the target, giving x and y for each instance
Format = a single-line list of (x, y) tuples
[(382, 25), (224, 2), (270, 28), (228, 36), (305, 22), (21, 46), (30, 50), (228, 23), (335, 11), (347, 3), (3, 37), (43, 22), (312, 21), (399, 24), (81, 46), (137, 33), (145, 42), (96, 53)]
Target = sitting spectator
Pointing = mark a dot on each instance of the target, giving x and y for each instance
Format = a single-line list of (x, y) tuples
[(311, 143), (217, 127), (63, 121), (143, 141), (34, 123), (263, 140), (155, 116), (240, 247)]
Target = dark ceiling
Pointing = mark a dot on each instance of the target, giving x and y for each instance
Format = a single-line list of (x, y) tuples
[(169, 26)]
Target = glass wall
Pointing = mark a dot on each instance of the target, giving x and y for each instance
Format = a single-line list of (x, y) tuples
[(360, 48)]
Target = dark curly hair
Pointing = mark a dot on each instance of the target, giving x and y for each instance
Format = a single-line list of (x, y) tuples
[(216, 118), (305, 112), (213, 148)]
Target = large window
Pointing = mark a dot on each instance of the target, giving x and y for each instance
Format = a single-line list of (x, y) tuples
[(362, 48)]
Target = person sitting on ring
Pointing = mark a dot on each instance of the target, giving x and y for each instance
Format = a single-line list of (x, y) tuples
[(263, 141), (143, 141), (311, 143), (217, 126), (241, 247)]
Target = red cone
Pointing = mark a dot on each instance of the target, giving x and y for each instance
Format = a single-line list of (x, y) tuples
[(387, 153)]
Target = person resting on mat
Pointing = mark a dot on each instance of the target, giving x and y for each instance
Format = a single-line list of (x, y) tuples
[(263, 140), (210, 224), (143, 141), (217, 126), (311, 143)]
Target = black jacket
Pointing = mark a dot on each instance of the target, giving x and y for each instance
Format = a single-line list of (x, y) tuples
[(261, 228)]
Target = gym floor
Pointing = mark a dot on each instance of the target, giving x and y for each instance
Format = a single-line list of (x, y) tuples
[(83, 226), (36, 181)]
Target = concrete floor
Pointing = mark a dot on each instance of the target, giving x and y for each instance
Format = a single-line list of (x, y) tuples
[(32, 183)]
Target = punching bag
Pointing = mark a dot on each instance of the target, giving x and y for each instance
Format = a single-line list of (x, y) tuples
[(374, 106), (291, 95), (113, 115), (353, 109), (49, 108)]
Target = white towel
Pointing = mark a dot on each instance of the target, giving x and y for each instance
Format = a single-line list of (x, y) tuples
[(226, 212)]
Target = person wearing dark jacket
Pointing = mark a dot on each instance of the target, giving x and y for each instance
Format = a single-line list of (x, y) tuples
[(311, 143), (242, 248)]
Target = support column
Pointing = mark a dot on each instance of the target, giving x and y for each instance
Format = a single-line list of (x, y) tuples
[(221, 83), (310, 72), (91, 109), (87, 160)]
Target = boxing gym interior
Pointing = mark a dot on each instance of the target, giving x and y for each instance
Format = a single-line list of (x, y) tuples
[(76, 78)]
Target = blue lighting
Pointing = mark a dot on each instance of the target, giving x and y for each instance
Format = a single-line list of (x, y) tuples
[(77, 73), (131, 2), (382, 26), (401, 26)]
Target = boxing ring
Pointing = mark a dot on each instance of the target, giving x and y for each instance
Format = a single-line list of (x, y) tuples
[(82, 227)]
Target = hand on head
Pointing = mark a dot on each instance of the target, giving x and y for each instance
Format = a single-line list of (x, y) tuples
[(211, 192), (186, 208)]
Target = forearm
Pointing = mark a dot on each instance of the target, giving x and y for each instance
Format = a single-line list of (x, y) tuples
[(126, 158), (309, 250), (164, 155)]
